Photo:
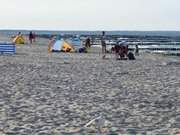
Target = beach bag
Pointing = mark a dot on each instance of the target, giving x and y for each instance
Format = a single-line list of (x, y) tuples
[(82, 50)]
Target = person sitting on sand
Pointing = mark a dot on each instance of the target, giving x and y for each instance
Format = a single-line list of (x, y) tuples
[(131, 56)]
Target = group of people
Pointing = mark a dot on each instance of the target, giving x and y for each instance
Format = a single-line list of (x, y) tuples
[(120, 50)]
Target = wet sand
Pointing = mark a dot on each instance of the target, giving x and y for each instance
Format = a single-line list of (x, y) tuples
[(57, 94)]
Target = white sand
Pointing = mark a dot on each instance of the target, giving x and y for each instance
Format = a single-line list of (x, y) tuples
[(54, 94)]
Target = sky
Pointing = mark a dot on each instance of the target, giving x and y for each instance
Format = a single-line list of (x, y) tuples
[(90, 14)]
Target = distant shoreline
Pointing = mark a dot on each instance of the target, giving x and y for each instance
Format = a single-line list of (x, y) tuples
[(121, 33)]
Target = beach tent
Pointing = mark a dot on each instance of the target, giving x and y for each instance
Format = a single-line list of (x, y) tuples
[(19, 40), (61, 45)]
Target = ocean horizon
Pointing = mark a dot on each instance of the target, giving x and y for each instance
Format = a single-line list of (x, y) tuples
[(98, 32)]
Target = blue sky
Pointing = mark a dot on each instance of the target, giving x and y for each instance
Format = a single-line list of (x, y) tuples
[(90, 14)]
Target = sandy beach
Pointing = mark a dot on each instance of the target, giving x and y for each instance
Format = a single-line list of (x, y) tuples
[(58, 93)]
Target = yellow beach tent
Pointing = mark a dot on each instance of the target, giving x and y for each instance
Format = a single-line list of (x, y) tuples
[(19, 40)]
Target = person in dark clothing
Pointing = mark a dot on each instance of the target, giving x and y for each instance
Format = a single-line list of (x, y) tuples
[(31, 37), (137, 50), (131, 56), (88, 43)]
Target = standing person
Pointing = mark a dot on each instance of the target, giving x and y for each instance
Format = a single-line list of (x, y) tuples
[(88, 43), (103, 43), (31, 37), (137, 50)]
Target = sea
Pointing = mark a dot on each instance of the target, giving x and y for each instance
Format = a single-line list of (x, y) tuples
[(124, 33)]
